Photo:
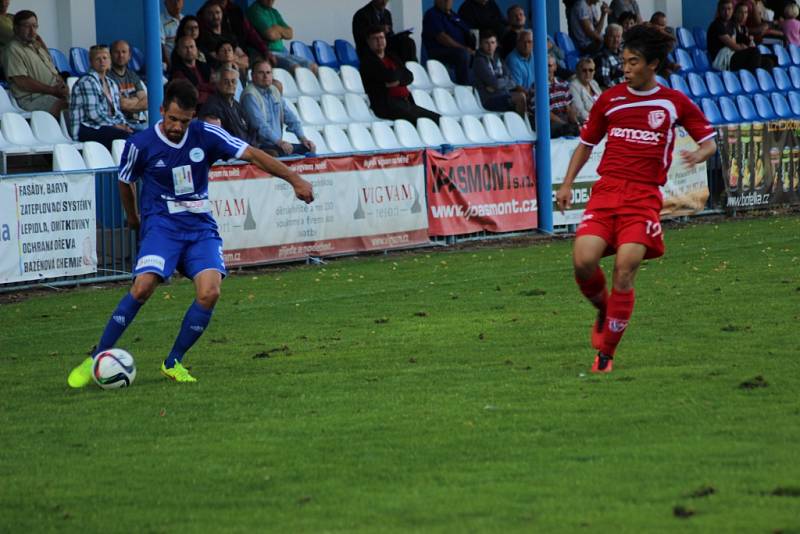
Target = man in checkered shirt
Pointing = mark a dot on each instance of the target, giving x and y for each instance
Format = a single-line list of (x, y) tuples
[(608, 60)]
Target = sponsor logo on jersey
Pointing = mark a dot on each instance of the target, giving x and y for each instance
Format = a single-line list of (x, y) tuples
[(637, 136), (617, 325), (160, 163), (618, 98), (656, 118), (197, 155), (151, 260)]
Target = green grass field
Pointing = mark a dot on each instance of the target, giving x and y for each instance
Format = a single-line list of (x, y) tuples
[(434, 391)]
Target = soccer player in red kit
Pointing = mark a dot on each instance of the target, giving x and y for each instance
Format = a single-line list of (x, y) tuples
[(639, 118)]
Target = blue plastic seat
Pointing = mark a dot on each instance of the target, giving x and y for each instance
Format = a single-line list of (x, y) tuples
[(764, 49), (794, 53), (679, 84), (60, 61), (685, 38), (301, 49), (714, 84), (79, 59), (696, 85), (700, 60), (346, 53), (780, 105), (749, 83), (782, 81), (765, 81), (764, 107), (700, 38), (729, 111), (732, 83), (325, 55), (564, 42), (794, 76), (683, 58), (794, 102), (663, 81), (746, 109), (783, 56), (711, 111)]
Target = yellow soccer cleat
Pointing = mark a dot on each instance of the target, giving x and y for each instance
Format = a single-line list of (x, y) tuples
[(179, 373), (81, 375)]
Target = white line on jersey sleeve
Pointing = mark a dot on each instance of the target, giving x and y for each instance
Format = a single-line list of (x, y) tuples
[(234, 142), (129, 157)]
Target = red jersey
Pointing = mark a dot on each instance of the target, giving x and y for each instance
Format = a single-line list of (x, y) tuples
[(641, 131)]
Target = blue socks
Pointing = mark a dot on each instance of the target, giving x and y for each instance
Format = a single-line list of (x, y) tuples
[(194, 324), (120, 319)]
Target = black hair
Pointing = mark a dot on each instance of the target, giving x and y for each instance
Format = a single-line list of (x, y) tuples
[(375, 28), (650, 41), (656, 15), (486, 33), (25, 14), (225, 42), (182, 25), (182, 92), (624, 16)]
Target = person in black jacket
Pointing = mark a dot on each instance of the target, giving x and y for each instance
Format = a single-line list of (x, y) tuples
[(386, 81), (376, 14), (483, 15)]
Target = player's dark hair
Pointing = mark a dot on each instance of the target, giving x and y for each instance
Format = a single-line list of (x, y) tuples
[(182, 92), (22, 16), (650, 41)]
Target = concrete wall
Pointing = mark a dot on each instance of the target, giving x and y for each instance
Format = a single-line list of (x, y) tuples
[(62, 23)]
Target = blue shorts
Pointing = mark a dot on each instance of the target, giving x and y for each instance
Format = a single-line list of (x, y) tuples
[(162, 252)]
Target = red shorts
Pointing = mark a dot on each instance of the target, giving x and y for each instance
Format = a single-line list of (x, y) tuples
[(620, 212)]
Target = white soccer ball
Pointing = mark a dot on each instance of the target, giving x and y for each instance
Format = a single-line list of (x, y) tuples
[(113, 368)]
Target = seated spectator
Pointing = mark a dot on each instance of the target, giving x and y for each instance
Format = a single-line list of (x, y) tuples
[(608, 61), (516, 24), (170, 19), (376, 14), (495, 86), (270, 25), (563, 120), (386, 81), (520, 61), (265, 108), (6, 25), (584, 89), (234, 22), (790, 25), (189, 26), (212, 35), (185, 65), (483, 15), (95, 111), (222, 104), (659, 19), (757, 25), (132, 93), (448, 39), (618, 7), (627, 20), (34, 80), (583, 28)]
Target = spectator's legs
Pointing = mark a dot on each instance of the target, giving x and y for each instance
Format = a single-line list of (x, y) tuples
[(104, 135)]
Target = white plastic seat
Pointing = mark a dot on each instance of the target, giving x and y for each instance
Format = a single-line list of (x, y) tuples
[(8, 105), (334, 110), (439, 75), (17, 132), (467, 102), (351, 79), (430, 133), (7, 147), (289, 137), (46, 129), (361, 138), (452, 131), (337, 139), (357, 108), (407, 134), (445, 103), (331, 83), (421, 78), (385, 137), (474, 130), (71, 81), (96, 156), (117, 147), (290, 89), (314, 136), (496, 129), (307, 82), (516, 127), (67, 158), (423, 100), (293, 108), (310, 112), (62, 122)]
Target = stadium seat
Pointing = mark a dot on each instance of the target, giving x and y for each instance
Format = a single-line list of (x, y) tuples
[(683, 58), (407, 135), (337, 139), (8, 105), (714, 85), (663, 81), (700, 60), (67, 158), (96, 156), (299, 48), (314, 136), (346, 53), (782, 54), (307, 82), (475, 131), (351, 79), (289, 137), (357, 108), (564, 42), (712, 112), (430, 133), (71, 81), (421, 79), (696, 85), (423, 100), (782, 81), (496, 129), (62, 122), (700, 38), (780, 106), (729, 111), (291, 107), (117, 147), (334, 110), (764, 49), (324, 54), (79, 60), (765, 81), (137, 60), (749, 83), (330, 81), (516, 127), (794, 103), (361, 138), (60, 61), (764, 107), (17, 132), (685, 38), (385, 137), (290, 89), (46, 129), (452, 131), (679, 84), (467, 101), (746, 109), (794, 76), (439, 75), (794, 53), (732, 84), (310, 112), (445, 102)]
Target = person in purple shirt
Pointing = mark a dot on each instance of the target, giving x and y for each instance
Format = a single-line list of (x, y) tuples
[(448, 39)]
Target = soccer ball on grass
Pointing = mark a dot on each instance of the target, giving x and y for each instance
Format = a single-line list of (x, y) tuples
[(113, 368)]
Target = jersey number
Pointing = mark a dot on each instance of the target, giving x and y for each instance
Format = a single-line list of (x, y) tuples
[(653, 228)]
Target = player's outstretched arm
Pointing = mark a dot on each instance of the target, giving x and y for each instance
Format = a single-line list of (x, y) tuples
[(127, 194), (706, 149), (576, 163), (302, 188)]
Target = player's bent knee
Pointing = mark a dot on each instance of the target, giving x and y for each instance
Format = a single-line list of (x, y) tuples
[(207, 297), (144, 286)]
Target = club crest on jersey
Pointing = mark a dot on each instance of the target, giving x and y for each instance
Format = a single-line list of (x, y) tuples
[(656, 118), (197, 155)]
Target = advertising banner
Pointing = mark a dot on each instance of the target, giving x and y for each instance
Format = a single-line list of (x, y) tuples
[(484, 188), (361, 203), (760, 164), (47, 227)]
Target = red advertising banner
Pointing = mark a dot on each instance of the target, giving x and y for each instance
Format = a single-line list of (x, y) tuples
[(484, 188)]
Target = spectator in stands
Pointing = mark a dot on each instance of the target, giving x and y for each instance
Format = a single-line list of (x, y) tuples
[(376, 14), (563, 120), (627, 20), (185, 65), (273, 29), (265, 108), (6, 25), (234, 22), (34, 80), (618, 7), (584, 29), (190, 25), (790, 25), (212, 35), (608, 61), (386, 81), (659, 19), (222, 104), (170, 19), (757, 25), (448, 39), (132, 93), (729, 49), (516, 24), (497, 89), (520, 62), (584, 88), (95, 111), (483, 15)]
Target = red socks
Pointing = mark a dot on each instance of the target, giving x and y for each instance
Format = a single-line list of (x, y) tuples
[(594, 289), (618, 313)]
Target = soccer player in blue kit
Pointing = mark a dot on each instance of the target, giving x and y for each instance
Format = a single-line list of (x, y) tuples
[(176, 228)]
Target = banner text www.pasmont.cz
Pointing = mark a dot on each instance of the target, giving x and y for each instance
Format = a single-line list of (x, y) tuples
[(484, 210)]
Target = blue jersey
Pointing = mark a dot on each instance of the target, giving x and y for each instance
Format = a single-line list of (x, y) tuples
[(174, 193)]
